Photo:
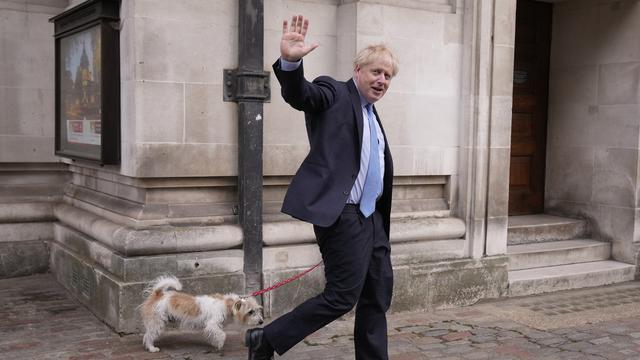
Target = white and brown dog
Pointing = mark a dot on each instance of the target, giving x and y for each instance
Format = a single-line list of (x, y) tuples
[(208, 313)]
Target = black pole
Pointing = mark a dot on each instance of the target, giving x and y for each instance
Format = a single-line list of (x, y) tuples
[(251, 89), (250, 190)]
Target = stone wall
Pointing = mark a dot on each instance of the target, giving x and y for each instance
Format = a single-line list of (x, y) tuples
[(27, 80), (31, 177), (594, 119), (174, 122), (421, 109)]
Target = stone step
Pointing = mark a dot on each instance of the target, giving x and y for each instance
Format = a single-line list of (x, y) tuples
[(564, 252), (527, 229), (564, 277)]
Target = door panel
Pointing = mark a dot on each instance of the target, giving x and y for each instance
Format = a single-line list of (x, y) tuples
[(529, 114)]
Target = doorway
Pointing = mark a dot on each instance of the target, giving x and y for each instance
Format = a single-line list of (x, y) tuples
[(529, 111)]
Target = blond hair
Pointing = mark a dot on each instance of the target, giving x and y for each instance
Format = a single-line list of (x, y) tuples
[(376, 52)]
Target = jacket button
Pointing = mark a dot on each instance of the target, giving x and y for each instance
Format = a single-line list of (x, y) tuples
[(345, 192)]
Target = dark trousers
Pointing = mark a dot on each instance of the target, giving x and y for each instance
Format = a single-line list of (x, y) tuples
[(357, 267)]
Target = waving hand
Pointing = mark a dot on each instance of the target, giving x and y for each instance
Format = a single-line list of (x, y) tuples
[(292, 45)]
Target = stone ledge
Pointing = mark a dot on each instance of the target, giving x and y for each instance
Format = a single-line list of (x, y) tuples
[(142, 216), (301, 256), (440, 6), (34, 166), (405, 229), (439, 284), (162, 240), (175, 202), (416, 229), (129, 241), (145, 268), (18, 232), (26, 212)]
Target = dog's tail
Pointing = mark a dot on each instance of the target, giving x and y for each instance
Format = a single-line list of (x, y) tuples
[(163, 283)]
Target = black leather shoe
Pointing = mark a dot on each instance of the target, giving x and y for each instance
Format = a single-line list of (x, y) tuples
[(259, 348)]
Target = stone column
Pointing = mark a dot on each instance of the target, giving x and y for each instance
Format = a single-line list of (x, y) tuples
[(484, 179), (500, 126)]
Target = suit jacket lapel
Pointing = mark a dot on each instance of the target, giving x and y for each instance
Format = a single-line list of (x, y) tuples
[(387, 152), (375, 112), (357, 110)]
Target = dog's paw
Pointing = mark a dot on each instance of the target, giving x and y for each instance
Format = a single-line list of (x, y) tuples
[(153, 349)]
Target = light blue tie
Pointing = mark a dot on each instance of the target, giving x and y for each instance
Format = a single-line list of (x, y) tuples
[(372, 182)]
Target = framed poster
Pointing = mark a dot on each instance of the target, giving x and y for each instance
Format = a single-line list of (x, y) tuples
[(88, 82)]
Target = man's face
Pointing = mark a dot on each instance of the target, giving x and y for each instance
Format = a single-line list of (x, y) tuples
[(373, 79)]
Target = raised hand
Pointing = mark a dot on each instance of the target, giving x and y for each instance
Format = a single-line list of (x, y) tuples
[(292, 45)]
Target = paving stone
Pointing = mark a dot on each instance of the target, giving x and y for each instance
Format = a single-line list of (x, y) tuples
[(619, 330), (483, 331), (435, 333), (458, 349), (457, 336), (600, 341), (578, 336), (431, 346), (628, 352), (482, 339), (427, 340)]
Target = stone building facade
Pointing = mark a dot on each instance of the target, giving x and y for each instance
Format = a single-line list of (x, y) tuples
[(454, 122)]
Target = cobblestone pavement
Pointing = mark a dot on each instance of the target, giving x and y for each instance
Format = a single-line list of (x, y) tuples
[(39, 320)]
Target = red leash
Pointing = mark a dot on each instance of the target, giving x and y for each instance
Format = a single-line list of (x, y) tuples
[(286, 281)]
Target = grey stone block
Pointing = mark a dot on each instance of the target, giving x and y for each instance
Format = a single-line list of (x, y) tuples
[(618, 83), (25, 231), (285, 298), (23, 258), (464, 282)]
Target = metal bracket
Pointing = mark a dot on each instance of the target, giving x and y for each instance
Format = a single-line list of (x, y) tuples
[(242, 85)]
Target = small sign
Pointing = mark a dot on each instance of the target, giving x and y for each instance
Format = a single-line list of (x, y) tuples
[(520, 76)]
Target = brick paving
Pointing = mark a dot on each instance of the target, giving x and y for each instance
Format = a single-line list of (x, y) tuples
[(39, 320)]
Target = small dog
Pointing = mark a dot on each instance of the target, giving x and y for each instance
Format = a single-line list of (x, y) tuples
[(208, 313)]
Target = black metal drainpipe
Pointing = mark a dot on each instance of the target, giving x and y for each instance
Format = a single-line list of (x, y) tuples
[(249, 87)]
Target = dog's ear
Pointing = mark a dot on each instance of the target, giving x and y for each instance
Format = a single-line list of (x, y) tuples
[(237, 305)]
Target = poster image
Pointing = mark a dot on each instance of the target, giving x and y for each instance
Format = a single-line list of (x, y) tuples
[(80, 87)]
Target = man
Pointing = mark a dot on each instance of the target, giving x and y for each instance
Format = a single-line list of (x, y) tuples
[(343, 187)]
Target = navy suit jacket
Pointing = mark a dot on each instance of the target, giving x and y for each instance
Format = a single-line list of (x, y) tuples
[(333, 116)]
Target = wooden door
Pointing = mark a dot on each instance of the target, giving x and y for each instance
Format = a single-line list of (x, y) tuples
[(529, 117)]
